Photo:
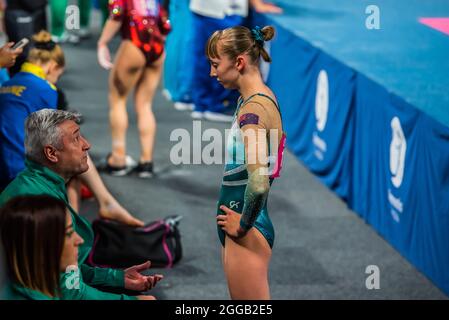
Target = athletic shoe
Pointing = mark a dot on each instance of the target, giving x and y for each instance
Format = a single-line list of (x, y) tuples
[(66, 37), (144, 170), (198, 115), (116, 171), (183, 106), (119, 171), (83, 33), (226, 116), (130, 162)]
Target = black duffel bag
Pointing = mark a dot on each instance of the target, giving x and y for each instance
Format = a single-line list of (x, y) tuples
[(120, 246)]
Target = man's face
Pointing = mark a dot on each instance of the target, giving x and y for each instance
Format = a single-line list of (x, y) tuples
[(72, 158)]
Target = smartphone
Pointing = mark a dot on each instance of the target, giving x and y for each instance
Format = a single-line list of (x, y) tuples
[(22, 43)]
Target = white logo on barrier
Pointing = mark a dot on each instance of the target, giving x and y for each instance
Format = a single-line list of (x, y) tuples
[(398, 147), (321, 112), (322, 100)]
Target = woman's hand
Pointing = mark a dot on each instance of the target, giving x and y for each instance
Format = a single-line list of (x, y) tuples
[(104, 56), (109, 30), (230, 223), (136, 281), (8, 56)]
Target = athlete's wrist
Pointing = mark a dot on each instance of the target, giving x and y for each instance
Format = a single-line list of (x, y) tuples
[(101, 44), (241, 232), (244, 227)]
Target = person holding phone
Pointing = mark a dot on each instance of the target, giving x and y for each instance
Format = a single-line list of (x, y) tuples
[(19, 45), (23, 19), (25, 92), (33, 89), (9, 54)]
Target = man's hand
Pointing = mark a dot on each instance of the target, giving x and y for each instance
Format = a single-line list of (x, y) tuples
[(136, 281), (8, 56), (230, 223), (261, 6)]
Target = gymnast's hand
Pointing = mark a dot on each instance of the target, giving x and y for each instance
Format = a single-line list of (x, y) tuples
[(136, 281), (230, 223), (104, 56)]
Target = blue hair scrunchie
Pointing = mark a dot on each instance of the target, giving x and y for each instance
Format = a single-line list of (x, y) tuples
[(258, 35)]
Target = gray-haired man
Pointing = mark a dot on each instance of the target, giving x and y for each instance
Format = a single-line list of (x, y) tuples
[(56, 152)]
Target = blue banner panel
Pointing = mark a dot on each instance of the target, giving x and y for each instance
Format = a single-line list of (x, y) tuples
[(429, 201), (400, 179), (316, 107), (384, 138), (388, 159)]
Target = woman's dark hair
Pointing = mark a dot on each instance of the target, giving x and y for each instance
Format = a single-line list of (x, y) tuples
[(32, 230), (239, 40)]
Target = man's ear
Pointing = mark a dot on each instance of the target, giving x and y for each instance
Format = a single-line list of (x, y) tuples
[(240, 63), (51, 153)]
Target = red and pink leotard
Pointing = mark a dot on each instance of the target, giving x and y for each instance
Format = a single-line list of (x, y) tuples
[(144, 22)]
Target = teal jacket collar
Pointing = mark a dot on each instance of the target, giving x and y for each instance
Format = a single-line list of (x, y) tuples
[(49, 174)]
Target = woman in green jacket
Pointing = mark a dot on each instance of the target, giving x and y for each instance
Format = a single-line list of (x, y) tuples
[(41, 253)]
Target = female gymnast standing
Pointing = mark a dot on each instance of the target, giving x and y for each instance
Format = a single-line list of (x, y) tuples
[(138, 63), (254, 158)]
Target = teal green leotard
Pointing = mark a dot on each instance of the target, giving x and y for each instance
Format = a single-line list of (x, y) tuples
[(235, 179)]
